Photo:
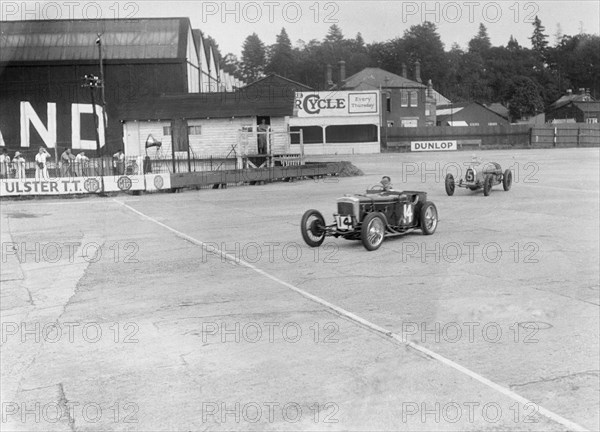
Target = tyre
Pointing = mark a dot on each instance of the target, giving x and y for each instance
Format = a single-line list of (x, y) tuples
[(373, 231), (488, 182), (313, 228), (507, 180), (450, 184), (428, 218)]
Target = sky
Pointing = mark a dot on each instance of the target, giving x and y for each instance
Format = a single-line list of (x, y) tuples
[(229, 23)]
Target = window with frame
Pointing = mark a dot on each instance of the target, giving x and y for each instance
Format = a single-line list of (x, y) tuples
[(194, 130), (166, 130), (414, 98), (310, 134), (591, 120), (474, 124), (351, 133), (404, 99)]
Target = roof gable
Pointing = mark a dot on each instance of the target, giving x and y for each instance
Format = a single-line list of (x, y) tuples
[(374, 78)]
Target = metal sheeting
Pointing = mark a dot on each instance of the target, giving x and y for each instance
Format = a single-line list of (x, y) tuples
[(76, 40)]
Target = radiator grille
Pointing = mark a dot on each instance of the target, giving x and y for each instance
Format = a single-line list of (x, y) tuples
[(345, 208)]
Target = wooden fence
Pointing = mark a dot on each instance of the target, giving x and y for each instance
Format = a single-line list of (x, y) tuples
[(491, 137)]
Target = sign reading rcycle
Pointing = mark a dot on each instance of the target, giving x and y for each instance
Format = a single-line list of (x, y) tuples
[(337, 103), (432, 145)]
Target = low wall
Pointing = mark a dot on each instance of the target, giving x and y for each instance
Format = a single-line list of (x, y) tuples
[(160, 182)]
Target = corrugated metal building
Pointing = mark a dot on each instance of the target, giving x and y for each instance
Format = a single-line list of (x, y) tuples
[(43, 62)]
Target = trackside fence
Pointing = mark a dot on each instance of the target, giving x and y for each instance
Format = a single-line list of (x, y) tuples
[(495, 137)]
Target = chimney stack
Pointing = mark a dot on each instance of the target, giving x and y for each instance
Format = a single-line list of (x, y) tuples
[(418, 71), (404, 74), (329, 76), (429, 89), (342, 64)]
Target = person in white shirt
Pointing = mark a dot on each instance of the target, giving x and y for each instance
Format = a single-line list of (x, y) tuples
[(119, 162), (81, 164), (41, 167), (19, 166), (4, 164)]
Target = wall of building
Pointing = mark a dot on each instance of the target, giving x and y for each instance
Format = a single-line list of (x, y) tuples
[(217, 136), (44, 85)]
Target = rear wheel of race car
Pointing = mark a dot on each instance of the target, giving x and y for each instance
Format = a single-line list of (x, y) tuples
[(313, 228), (429, 218), (488, 182), (507, 180), (372, 232), (450, 184)]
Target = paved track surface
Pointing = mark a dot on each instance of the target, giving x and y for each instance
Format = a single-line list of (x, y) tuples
[(204, 310)]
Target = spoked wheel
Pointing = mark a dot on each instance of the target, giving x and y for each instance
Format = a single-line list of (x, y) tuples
[(487, 184), (373, 231), (313, 228), (507, 180), (429, 218), (450, 184)]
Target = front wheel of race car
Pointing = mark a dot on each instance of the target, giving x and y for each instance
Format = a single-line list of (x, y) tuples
[(373, 231), (488, 182), (507, 180), (313, 228), (429, 218), (450, 184)]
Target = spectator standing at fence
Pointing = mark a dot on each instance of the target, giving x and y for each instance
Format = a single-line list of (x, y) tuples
[(19, 166), (263, 132), (4, 164), (119, 162), (66, 159), (41, 165), (81, 164)]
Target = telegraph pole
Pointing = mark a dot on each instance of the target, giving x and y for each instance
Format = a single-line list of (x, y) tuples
[(99, 43), (92, 82)]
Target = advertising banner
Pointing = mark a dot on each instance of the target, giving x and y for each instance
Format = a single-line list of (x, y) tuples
[(123, 183), (56, 186), (433, 145), (336, 104)]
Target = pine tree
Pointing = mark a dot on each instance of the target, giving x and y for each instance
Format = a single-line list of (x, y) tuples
[(539, 38), (281, 60), (334, 35), (253, 58), (480, 43)]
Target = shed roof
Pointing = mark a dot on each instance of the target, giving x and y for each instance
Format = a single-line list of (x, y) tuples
[(207, 105), (75, 40)]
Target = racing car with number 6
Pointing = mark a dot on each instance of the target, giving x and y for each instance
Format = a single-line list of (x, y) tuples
[(371, 217)]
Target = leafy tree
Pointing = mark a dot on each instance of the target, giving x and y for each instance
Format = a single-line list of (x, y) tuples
[(422, 42), (281, 59), (526, 99), (231, 65), (253, 58)]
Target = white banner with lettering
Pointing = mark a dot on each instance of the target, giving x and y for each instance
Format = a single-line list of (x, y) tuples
[(433, 145), (336, 104)]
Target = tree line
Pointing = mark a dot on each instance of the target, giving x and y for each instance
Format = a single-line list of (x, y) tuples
[(526, 80)]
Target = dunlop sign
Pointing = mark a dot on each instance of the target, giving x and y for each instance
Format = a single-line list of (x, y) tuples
[(432, 145)]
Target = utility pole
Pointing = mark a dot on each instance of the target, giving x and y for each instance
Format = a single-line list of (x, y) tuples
[(92, 82), (99, 43)]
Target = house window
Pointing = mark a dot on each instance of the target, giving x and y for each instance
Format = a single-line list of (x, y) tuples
[(414, 98), (194, 130), (247, 128), (388, 104), (166, 130), (591, 120), (492, 124), (404, 99), (474, 124)]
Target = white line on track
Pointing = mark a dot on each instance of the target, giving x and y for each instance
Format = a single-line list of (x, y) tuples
[(368, 324)]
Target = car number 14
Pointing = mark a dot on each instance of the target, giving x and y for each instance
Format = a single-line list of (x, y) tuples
[(344, 222), (408, 213)]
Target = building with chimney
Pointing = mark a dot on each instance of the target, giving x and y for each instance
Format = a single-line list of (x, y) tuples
[(574, 108), (404, 102)]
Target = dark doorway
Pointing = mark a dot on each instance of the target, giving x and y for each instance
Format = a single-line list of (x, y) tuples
[(263, 127)]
